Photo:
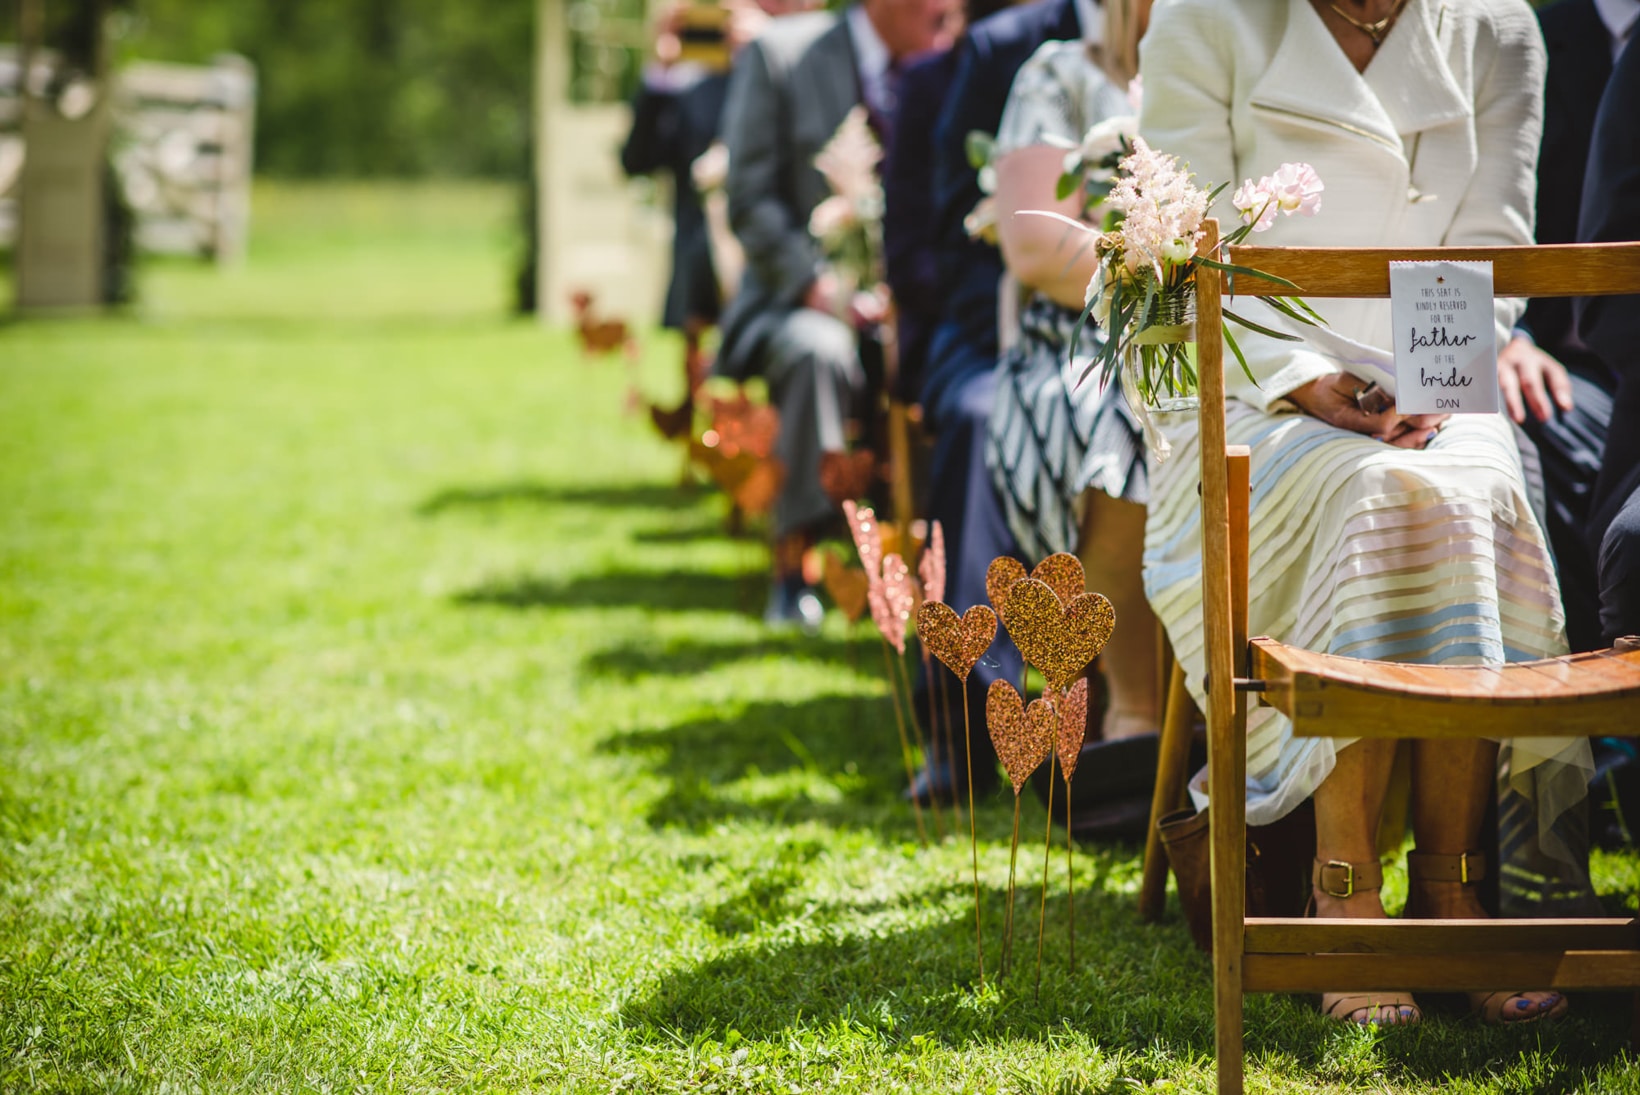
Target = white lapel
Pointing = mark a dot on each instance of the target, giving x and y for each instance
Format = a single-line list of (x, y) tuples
[(1307, 59), (1411, 76)]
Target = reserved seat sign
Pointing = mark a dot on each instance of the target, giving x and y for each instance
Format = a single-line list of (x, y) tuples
[(1446, 354)]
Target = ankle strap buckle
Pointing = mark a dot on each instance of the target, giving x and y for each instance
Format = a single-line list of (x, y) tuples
[(1333, 865), (1463, 868)]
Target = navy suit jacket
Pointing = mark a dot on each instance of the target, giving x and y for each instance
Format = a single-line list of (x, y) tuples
[(670, 130), (1579, 66), (910, 254), (988, 58), (1610, 326)]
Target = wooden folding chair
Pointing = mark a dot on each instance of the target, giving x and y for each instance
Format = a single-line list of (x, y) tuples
[(1326, 695)]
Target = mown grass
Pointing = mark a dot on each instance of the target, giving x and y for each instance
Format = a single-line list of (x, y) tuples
[(376, 715)]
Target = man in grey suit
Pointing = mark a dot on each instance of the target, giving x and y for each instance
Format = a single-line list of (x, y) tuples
[(789, 92)]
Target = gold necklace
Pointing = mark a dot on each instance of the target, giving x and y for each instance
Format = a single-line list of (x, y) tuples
[(1374, 30)]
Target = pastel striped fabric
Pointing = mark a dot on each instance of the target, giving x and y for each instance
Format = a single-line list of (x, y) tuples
[(1362, 549)]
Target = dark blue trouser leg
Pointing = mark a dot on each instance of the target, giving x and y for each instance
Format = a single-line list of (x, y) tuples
[(965, 503)]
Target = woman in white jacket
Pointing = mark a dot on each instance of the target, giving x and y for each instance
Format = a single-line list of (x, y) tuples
[(1374, 534)]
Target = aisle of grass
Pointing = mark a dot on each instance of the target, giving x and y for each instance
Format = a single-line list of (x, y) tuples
[(375, 715)]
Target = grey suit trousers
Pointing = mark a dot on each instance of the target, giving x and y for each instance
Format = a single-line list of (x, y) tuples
[(812, 363)]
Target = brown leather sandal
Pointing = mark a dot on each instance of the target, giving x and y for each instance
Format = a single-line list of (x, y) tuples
[(1505, 1007), (1336, 878)]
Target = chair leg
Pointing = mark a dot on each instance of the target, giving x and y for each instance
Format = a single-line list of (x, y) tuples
[(1172, 764)]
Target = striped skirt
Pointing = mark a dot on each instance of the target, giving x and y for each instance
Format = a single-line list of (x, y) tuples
[(1366, 550)]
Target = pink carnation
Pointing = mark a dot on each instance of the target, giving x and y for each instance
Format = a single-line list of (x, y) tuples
[(1255, 203), (1297, 189)]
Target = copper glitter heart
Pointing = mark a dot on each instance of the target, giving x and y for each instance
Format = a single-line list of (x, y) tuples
[(1023, 737), (847, 475), (1060, 640), (1073, 726), (1063, 573), (899, 601), (931, 568), (846, 586), (958, 641), (1000, 577)]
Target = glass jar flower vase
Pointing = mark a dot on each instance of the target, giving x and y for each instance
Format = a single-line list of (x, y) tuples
[(1158, 368)]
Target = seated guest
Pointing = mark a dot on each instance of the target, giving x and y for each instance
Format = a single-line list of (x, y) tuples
[(1559, 391), (675, 117), (789, 92), (959, 375), (1422, 121), (910, 249), (1610, 326), (1066, 455)]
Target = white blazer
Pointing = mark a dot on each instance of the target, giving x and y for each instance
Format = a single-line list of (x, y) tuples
[(1435, 144)]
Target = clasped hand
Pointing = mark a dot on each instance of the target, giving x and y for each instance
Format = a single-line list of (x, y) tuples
[(1350, 403)]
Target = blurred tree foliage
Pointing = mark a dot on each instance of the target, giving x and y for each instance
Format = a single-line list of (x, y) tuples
[(359, 87)]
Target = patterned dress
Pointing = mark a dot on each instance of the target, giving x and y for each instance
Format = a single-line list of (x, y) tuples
[(1051, 435)]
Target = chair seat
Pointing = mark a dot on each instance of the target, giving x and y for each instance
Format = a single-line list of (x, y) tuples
[(1592, 693)]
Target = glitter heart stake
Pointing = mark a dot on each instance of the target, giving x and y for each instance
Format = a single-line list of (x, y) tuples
[(959, 642), (1059, 639), (1000, 577), (845, 476), (900, 604), (899, 600), (1073, 731), (1063, 574), (1023, 737), (1073, 726), (868, 539), (846, 587), (931, 568)]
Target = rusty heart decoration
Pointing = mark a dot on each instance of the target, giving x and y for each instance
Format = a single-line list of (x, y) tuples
[(1063, 574), (845, 476), (931, 568), (1059, 639), (740, 425), (868, 540), (1023, 736), (899, 600), (846, 586), (1000, 577), (958, 641), (1073, 726)]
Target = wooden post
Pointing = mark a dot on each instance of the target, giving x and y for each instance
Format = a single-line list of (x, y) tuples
[(61, 214), (1226, 756), (551, 97), (1172, 774)]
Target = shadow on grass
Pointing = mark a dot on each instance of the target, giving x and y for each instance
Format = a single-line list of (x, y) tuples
[(648, 496), (687, 656), (1134, 989), (678, 591)]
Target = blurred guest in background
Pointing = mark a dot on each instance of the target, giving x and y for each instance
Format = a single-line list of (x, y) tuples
[(1065, 453), (675, 118), (789, 92), (1553, 385), (959, 371), (1610, 326)]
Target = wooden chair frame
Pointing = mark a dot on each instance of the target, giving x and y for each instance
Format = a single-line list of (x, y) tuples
[(1319, 693)]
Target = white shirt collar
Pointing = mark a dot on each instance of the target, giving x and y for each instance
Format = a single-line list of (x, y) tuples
[(1092, 20), (871, 55), (1620, 17)]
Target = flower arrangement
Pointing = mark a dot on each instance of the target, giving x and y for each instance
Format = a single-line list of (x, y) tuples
[(849, 224), (1143, 291)]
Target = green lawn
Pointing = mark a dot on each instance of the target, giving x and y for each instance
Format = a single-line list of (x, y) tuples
[(376, 715)]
